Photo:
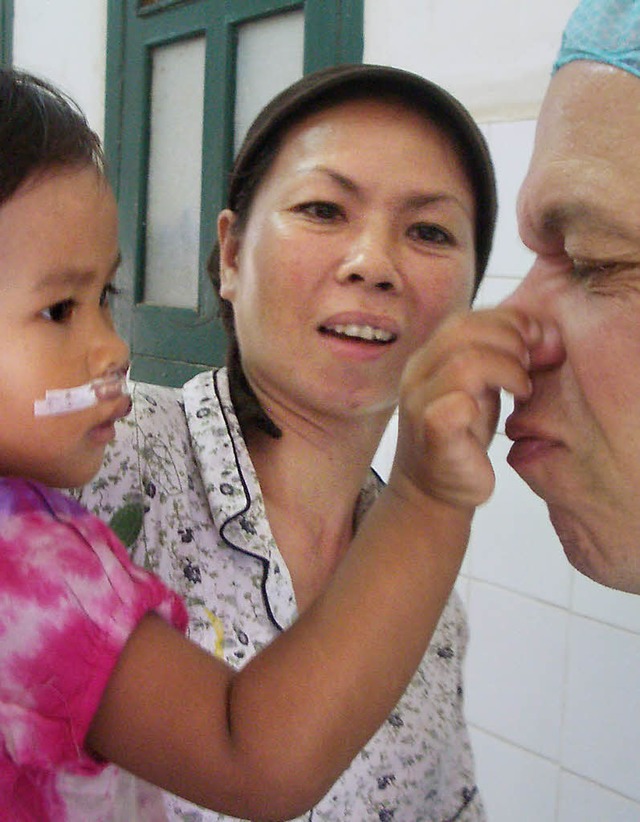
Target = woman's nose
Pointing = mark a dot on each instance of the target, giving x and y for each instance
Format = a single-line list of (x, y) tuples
[(370, 262)]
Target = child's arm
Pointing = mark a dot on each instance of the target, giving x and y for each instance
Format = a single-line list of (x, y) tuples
[(267, 742)]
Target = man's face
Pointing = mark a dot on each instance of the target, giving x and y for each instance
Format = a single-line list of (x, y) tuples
[(577, 439)]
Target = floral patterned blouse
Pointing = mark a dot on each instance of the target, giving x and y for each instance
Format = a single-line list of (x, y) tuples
[(69, 599), (179, 459)]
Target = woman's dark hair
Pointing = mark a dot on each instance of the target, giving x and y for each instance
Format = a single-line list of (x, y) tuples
[(316, 92), (249, 411), (40, 128)]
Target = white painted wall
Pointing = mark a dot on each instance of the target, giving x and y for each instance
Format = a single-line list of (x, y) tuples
[(494, 56), (553, 673), (65, 41)]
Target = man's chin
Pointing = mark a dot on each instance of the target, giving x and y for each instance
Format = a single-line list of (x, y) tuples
[(598, 553)]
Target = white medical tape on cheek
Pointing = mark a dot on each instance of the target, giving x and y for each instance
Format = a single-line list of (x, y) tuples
[(67, 400)]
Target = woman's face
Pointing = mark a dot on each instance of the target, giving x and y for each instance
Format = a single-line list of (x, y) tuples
[(360, 240)]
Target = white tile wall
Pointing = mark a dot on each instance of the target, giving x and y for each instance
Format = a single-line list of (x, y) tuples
[(606, 605), (587, 802), (516, 668), (527, 787), (601, 719)]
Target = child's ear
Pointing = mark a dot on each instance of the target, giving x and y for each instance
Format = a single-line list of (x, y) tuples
[(229, 243)]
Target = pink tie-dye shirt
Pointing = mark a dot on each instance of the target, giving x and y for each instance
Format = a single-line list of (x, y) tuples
[(69, 599)]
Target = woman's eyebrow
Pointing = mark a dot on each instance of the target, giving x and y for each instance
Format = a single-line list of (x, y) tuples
[(341, 179), (412, 201), (417, 201)]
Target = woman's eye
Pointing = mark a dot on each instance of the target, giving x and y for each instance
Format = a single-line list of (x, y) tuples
[(429, 233), (320, 210), (108, 293), (59, 312)]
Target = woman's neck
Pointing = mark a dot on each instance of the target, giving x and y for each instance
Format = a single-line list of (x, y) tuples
[(310, 479)]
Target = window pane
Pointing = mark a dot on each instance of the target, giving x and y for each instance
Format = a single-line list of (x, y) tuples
[(270, 57), (175, 167)]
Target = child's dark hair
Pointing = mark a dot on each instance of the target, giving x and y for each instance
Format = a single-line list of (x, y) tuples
[(40, 128)]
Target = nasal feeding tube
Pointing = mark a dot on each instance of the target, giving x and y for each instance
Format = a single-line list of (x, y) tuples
[(66, 400)]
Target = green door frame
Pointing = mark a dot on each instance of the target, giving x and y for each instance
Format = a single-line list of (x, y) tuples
[(6, 32)]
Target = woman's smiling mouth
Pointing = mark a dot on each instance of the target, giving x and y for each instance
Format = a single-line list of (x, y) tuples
[(361, 333)]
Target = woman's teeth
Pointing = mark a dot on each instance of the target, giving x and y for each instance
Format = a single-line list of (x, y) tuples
[(361, 332)]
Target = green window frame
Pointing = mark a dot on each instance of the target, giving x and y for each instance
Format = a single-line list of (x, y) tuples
[(6, 32), (169, 345)]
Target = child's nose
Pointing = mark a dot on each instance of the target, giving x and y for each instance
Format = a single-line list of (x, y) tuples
[(109, 352)]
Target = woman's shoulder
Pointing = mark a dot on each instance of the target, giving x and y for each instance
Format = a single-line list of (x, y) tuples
[(160, 403), (151, 453), (159, 400), (157, 413)]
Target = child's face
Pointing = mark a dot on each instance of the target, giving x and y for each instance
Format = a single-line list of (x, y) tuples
[(58, 257)]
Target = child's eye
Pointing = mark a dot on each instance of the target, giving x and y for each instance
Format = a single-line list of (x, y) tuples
[(59, 312), (108, 292), (429, 233), (320, 210)]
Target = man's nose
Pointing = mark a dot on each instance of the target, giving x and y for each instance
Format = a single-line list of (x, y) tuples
[(535, 301)]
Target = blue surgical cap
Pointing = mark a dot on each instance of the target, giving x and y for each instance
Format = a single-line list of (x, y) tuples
[(606, 31)]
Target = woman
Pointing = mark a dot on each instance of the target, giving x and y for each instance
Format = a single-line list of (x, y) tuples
[(361, 213)]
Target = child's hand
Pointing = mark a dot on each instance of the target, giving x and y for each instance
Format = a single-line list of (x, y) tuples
[(450, 402)]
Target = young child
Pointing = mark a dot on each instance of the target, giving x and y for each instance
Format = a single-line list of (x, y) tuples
[(69, 596), (96, 683)]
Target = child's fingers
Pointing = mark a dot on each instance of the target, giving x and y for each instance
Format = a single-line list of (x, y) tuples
[(449, 401), (447, 459), (498, 329)]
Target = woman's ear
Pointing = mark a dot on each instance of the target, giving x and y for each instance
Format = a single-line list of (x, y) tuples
[(229, 243)]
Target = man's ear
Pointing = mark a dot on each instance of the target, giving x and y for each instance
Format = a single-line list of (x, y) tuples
[(229, 243)]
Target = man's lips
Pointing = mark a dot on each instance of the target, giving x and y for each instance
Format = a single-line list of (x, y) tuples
[(517, 427), (529, 441)]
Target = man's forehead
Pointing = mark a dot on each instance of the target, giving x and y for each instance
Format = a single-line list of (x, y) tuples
[(561, 199), (585, 162), (589, 102)]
